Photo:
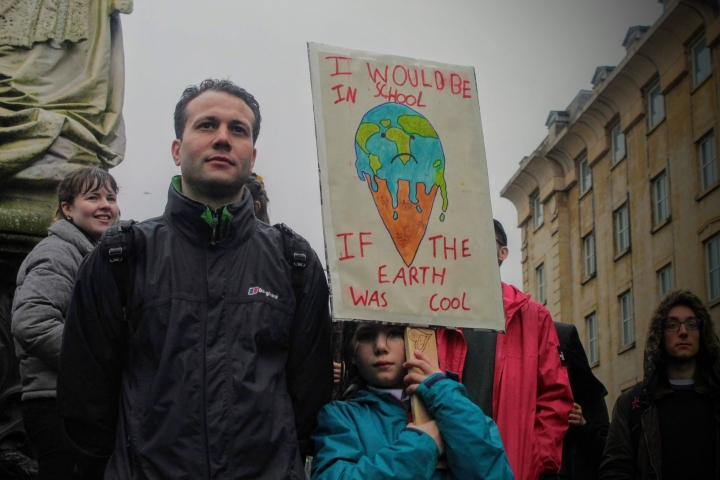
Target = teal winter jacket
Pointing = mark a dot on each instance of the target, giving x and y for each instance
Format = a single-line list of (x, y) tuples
[(366, 437)]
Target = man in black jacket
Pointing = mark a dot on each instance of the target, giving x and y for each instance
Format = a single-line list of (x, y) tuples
[(215, 360), (667, 426)]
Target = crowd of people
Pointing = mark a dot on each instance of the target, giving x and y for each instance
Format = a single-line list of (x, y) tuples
[(198, 344)]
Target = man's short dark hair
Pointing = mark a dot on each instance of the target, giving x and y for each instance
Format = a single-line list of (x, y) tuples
[(225, 86), (500, 234)]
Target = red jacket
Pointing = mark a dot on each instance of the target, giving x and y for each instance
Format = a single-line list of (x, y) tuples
[(531, 390)]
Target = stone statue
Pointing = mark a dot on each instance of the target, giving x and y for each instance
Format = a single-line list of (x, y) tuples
[(61, 94)]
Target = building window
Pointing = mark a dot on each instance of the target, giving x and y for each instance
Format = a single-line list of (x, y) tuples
[(618, 143), (626, 315), (656, 105), (700, 61), (591, 322), (712, 251), (540, 274), (661, 200), (708, 160), (585, 175), (537, 207), (589, 254), (665, 281), (622, 229)]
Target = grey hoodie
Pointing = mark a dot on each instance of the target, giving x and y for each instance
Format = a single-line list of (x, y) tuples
[(44, 288)]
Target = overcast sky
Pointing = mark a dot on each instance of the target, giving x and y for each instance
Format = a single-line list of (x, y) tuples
[(530, 57)]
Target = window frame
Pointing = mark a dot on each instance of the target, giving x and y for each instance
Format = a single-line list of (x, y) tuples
[(592, 339), (589, 256), (614, 143), (666, 269), (618, 233), (694, 56), (661, 203), (541, 283), (652, 89), (627, 323), (584, 168), (538, 214), (712, 252), (712, 163)]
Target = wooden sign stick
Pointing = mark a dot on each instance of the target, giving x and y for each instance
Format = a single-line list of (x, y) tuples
[(422, 339)]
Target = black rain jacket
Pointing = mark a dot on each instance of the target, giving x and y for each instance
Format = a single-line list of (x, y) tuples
[(621, 459), (224, 374)]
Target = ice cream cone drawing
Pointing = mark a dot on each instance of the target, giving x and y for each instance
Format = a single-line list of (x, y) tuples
[(400, 156)]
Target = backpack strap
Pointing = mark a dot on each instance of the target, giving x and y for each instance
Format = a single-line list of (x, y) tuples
[(296, 254), (118, 246)]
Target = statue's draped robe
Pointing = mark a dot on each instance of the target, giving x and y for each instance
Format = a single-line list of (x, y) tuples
[(61, 87)]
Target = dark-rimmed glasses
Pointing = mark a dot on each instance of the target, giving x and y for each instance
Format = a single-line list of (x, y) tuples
[(673, 325)]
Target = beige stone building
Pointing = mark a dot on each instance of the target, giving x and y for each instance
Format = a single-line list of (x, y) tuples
[(621, 201)]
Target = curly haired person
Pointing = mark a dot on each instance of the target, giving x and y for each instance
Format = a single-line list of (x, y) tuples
[(666, 426)]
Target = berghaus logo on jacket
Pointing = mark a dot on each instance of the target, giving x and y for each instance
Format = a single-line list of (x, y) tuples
[(260, 291)]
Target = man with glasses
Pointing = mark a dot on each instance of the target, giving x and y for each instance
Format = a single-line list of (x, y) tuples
[(666, 426)]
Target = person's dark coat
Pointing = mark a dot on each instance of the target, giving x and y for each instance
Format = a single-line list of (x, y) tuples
[(583, 445), (626, 459), (224, 373)]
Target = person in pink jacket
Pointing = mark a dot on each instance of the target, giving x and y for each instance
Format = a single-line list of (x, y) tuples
[(531, 397), (517, 378)]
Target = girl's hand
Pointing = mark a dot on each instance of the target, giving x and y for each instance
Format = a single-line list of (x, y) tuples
[(419, 368), (431, 429)]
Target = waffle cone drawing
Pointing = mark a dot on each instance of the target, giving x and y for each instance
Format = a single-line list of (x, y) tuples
[(408, 222)]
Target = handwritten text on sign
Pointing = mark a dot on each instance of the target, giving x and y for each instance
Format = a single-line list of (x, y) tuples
[(442, 247), (388, 82)]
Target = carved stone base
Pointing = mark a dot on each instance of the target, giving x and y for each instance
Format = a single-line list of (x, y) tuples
[(25, 216)]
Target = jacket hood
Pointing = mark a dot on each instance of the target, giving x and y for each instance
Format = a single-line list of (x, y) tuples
[(513, 300), (73, 235), (585, 385), (655, 356)]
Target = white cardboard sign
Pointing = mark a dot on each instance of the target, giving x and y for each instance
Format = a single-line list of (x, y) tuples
[(405, 195)]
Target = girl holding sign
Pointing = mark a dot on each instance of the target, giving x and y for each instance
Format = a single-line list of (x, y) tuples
[(370, 433)]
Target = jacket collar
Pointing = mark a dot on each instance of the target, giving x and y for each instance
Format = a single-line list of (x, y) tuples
[(73, 235), (379, 400), (229, 225), (656, 383)]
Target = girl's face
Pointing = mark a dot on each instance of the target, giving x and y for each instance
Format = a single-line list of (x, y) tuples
[(380, 354), (94, 211)]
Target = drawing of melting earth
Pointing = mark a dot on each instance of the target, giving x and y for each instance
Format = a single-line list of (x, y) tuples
[(400, 156)]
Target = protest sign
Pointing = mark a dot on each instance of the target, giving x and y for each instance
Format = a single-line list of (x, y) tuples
[(405, 194)]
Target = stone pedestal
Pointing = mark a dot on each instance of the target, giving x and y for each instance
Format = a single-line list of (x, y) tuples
[(25, 216)]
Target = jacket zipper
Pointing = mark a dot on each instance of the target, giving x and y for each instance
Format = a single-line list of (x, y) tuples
[(215, 223), (204, 356), (642, 423)]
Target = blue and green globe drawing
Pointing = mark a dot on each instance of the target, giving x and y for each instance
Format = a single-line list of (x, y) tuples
[(399, 154)]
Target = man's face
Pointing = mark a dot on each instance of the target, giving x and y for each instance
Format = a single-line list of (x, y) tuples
[(216, 153), (684, 344)]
